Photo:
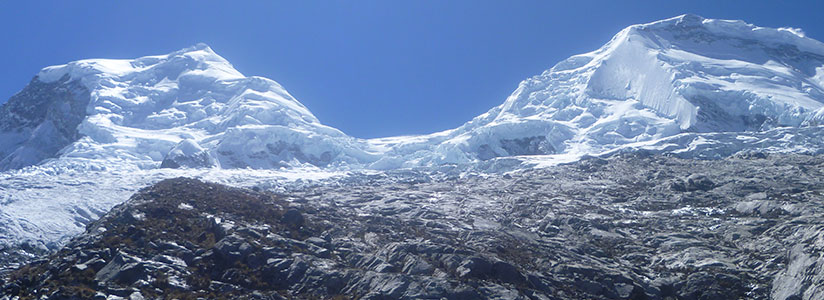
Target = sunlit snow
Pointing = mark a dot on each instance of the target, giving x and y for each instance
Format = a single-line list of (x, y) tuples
[(686, 86)]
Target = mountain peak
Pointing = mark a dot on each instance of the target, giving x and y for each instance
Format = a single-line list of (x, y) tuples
[(699, 29), (142, 109), (684, 74), (199, 57), (684, 20), (204, 49), (197, 47)]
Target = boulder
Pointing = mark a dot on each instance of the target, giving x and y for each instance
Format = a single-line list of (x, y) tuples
[(474, 267), (293, 218)]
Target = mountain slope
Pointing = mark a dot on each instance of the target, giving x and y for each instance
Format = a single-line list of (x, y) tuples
[(628, 227), (40, 120), (138, 110), (656, 80), (98, 129)]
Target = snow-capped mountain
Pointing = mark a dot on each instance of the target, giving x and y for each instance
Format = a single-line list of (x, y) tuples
[(651, 81), (188, 103), (191, 108), (97, 130)]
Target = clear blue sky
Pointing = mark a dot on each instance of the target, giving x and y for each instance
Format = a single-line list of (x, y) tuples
[(370, 68)]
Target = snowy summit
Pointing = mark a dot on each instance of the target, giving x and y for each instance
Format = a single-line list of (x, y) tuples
[(140, 110), (648, 83), (656, 86)]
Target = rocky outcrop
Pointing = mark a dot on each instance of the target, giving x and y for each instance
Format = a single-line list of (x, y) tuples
[(40, 120), (631, 227)]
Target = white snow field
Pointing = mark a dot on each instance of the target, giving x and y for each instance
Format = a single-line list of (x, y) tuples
[(84, 136)]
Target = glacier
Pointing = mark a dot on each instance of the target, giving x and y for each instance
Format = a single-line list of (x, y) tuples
[(83, 136), (139, 110), (649, 82)]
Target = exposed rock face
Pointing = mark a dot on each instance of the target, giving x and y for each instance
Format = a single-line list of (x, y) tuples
[(40, 120), (630, 227)]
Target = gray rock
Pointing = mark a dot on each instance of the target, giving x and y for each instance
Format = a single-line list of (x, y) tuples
[(699, 182), (123, 268), (417, 267), (600, 229), (506, 272), (232, 248), (475, 267), (293, 217)]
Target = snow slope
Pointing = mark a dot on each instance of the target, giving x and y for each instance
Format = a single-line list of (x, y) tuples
[(84, 136), (651, 81), (139, 110)]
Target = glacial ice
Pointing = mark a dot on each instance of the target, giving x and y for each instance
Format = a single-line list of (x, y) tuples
[(650, 82)]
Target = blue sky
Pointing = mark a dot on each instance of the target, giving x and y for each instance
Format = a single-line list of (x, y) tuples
[(370, 68)]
